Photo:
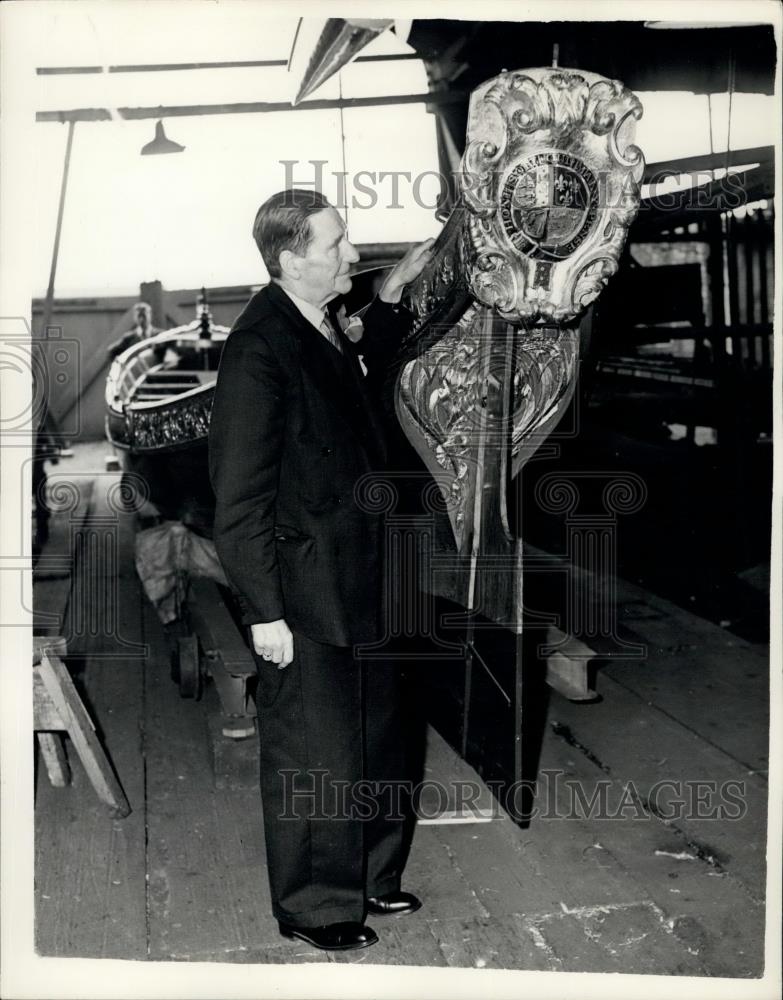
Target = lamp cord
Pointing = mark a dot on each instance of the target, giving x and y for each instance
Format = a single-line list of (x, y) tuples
[(342, 143), (731, 85)]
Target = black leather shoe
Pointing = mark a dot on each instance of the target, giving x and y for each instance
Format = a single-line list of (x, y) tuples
[(393, 904), (332, 937)]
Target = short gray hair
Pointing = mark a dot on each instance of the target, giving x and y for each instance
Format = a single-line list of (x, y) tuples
[(283, 223)]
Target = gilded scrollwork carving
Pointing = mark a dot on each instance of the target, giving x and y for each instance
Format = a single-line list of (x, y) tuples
[(631, 155), (590, 282), (557, 102), (494, 280), (479, 164), (549, 169)]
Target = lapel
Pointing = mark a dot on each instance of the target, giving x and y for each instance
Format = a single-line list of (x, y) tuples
[(338, 378), (316, 352), (371, 430)]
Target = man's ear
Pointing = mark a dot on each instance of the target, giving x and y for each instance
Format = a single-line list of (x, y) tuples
[(290, 264)]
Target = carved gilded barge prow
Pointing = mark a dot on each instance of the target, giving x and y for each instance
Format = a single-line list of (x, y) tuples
[(549, 185)]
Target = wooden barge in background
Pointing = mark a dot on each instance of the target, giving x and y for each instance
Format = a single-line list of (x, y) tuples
[(158, 400)]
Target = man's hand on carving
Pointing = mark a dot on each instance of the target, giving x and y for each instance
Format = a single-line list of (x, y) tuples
[(405, 271), (273, 641)]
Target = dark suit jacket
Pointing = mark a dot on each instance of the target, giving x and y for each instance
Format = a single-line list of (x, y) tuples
[(292, 430), (127, 339)]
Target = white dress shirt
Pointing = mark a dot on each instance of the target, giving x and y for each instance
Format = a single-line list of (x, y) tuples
[(311, 313), (316, 317)]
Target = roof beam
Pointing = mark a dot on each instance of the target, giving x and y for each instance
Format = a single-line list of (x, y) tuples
[(708, 161), (173, 67), (254, 107)]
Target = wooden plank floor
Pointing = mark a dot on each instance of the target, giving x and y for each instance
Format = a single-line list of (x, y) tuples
[(612, 890), (91, 870)]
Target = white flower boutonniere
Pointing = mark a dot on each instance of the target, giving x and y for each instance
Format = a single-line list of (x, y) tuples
[(352, 326)]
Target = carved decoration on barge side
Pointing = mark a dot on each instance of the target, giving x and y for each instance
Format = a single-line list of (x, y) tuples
[(173, 424)]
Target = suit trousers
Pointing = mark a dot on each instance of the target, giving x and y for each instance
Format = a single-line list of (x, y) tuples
[(337, 816)]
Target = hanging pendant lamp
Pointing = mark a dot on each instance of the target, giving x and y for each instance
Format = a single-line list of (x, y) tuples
[(161, 143)]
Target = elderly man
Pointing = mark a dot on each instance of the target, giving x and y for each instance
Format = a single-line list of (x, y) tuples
[(293, 430)]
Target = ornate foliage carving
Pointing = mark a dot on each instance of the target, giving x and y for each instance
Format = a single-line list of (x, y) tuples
[(176, 422), (439, 394), (441, 289), (544, 377)]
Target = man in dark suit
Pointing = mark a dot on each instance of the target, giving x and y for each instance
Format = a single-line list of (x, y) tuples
[(293, 431), (142, 330)]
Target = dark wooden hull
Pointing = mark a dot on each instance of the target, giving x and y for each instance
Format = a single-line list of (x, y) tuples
[(177, 483)]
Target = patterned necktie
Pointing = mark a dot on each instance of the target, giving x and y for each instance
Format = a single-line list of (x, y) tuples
[(329, 332)]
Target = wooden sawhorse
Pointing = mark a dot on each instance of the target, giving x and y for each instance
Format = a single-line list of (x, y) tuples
[(58, 708)]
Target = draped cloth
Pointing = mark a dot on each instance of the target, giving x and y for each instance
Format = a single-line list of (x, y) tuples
[(166, 556)]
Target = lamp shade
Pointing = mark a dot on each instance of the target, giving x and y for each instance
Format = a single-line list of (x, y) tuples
[(161, 143)]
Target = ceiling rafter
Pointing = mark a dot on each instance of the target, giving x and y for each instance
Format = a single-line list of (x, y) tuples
[(253, 107)]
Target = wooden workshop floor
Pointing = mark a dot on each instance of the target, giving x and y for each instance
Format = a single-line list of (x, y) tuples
[(184, 876)]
